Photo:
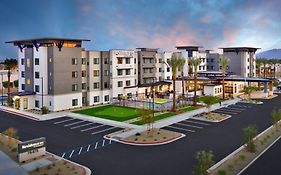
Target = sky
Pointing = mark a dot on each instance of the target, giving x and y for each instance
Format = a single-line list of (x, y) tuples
[(128, 24)]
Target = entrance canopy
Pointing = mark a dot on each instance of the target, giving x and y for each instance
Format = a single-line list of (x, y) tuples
[(245, 79), (158, 83)]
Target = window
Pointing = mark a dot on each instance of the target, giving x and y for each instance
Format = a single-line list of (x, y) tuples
[(160, 60), (23, 87), (96, 99), (168, 69), (120, 83), (135, 61), (22, 74), (105, 60), (74, 74), (74, 102), (129, 95), (36, 61), (83, 73), (128, 83), (74, 61), (168, 60), (106, 98), (119, 72), (74, 87), (84, 100), (160, 78), (127, 60), (168, 77), (37, 103), (128, 71), (96, 73), (135, 71), (37, 88), (106, 72), (84, 61), (22, 61), (28, 62), (105, 85), (96, 85), (37, 75), (96, 61), (160, 69), (84, 86), (119, 61)]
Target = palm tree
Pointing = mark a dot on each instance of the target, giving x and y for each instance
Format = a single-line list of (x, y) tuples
[(10, 64), (264, 62), (224, 61), (274, 62), (181, 62), (258, 66), (173, 63), (195, 62)]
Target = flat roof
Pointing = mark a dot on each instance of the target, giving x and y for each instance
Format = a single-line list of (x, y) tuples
[(26, 93), (158, 83), (148, 49), (236, 49), (192, 48), (247, 79), (46, 40)]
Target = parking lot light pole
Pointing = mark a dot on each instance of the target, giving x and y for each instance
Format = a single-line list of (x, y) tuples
[(2, 89)]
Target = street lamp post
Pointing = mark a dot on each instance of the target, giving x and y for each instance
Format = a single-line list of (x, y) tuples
[(2, 89)]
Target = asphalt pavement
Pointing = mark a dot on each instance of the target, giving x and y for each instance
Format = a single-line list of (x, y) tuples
[(174, 158)]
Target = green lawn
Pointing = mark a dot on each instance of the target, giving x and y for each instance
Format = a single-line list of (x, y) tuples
[(117, 113), (158, 117), (188, 108)]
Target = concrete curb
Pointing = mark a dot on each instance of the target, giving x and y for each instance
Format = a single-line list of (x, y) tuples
[(148, 143), (218, 164), (20, 114)]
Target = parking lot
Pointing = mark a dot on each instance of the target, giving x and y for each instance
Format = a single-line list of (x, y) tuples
[(234, 109), (94, 130), (188, 126)]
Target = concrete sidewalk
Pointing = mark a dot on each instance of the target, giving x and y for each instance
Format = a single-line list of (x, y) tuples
[(9, 166)]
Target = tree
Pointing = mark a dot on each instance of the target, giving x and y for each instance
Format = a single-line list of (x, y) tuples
[(264, 62), (181, 62), (209, 100), (16, 83), (258, 66), (10, 64), (147, 118), (224, 62), (195, 62), (174, 63), (11, 133), (276, 117), (248, 90), (274, 62), (249, 134), (204, 162)]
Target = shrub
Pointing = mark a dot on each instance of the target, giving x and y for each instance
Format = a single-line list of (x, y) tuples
[(138, 134), (242, 157), (44, 110), (230, 167), (10, 101), (204, 161), (16, 83), (221, 172), (249, 134)]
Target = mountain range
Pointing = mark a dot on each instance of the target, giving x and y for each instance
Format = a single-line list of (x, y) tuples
[(273, 53)]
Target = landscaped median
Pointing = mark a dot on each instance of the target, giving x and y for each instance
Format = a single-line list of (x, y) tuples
[(240, 159), (149, 138)]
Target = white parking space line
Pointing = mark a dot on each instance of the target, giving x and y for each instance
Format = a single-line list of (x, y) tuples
[(83, 130), (80, 150), (224, 112), (63, 155), (228, 110), (103, 130), (88, 148), (81, 125), (238, 109), (96, 145), (206, 124), (180, 128), (182, 124), (71, 153), (64, 121), (74, 123), (103, 142)]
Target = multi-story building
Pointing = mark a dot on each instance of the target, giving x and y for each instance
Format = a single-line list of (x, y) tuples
[(242, 60)]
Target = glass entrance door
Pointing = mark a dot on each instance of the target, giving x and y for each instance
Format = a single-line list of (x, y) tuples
[(25, 103)]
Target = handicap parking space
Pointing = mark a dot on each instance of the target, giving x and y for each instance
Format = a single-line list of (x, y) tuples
[(92, 133), (188, 126)]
